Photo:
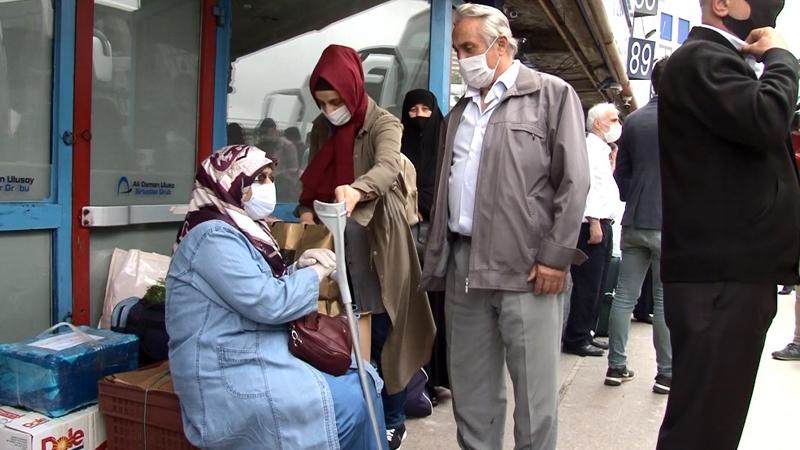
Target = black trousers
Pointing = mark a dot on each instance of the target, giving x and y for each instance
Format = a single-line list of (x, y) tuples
[(587, 279), (717, 332)]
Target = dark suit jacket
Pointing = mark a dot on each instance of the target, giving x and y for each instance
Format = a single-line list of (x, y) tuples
[(638, 175), (731, 197)]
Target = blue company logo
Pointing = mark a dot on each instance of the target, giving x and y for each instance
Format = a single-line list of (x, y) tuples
[(123, 187)]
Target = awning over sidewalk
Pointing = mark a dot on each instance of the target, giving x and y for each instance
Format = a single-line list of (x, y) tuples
[(260, 24), (568, 38), (573, 39)]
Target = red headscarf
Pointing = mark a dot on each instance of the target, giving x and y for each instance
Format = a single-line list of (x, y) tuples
[(340, 67)]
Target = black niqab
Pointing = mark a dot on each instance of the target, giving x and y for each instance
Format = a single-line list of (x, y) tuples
[(420, 144)]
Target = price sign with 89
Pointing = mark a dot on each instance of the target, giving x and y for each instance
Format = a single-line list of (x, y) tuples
[(641, 56), (643, 8)]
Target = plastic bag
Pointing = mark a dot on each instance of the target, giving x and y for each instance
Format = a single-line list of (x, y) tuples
[(130, 274), (57, 373)]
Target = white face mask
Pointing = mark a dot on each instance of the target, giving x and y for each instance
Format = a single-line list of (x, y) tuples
[(613, 133), (476, 71), (339, 116), (263, 198)]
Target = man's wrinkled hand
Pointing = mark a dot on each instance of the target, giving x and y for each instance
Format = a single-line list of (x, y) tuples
[(349, 195), (762, 39), (546, 280)]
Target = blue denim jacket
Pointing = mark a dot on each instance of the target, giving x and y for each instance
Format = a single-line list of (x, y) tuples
[(226, 317)]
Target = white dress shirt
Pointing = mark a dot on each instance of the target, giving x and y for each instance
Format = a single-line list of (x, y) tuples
[(757, 67), (467, 149), (603, 199)]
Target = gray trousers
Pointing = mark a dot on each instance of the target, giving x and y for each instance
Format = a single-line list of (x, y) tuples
[(486, 328), (641, 250)]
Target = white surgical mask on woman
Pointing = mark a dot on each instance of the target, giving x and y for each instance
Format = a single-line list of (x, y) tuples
[(263, 198), (476, 71), (339, 116), (613, 133)]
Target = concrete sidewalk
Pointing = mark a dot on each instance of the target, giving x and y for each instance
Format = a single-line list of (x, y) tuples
[(593, 416)]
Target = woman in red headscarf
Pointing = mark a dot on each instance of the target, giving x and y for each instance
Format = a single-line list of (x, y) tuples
[(355, 158)]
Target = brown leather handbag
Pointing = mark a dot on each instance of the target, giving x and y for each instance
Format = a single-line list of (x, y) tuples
[(322, 341)]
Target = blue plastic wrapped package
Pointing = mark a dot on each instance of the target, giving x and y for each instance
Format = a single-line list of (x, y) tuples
[(58, 373)]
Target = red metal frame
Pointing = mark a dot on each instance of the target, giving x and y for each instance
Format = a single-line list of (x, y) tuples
[(81, 160), (208, 62), (82, 124)]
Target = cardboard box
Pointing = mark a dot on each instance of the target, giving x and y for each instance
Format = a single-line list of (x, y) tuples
[(8, 414), (365, 334), (294, 238), (82, 429), (328, 290), (126, 399)]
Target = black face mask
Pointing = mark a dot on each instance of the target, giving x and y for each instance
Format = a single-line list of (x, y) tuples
[(418, 123), (763, 13)]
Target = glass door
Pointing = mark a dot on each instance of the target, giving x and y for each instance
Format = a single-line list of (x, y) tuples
[(36, 76), (144, 123)]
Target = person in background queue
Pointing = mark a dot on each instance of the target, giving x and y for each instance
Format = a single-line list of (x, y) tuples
[(596, 236), (422, 122), (638, 177)]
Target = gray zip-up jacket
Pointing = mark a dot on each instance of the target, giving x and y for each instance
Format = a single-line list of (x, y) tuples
[(532, 185)]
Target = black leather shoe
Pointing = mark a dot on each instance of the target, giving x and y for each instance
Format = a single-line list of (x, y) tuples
[(600, 343), (583, 350)]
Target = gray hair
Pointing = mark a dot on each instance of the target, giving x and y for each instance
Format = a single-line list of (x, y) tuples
[(597, 111), (495, 23)]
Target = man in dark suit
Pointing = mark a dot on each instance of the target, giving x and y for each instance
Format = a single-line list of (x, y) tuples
[(639, 179), (731, 213)]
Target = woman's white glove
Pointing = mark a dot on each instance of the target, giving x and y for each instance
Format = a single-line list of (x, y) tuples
[(322, 271), (321, 256)]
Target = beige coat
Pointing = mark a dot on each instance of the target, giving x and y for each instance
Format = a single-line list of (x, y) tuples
[(378, 165)]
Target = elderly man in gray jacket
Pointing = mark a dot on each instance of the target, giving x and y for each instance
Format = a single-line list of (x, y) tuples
[(510, 196)]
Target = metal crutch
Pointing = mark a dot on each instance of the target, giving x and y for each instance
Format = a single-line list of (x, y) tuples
[(334, 217)]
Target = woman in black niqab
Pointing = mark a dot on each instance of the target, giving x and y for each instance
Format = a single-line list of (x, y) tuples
[(421, 123), (420, 143)]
